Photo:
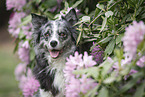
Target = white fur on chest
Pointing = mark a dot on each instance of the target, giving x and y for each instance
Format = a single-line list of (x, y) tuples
[(49, 94), (45, 94), (59, 80)]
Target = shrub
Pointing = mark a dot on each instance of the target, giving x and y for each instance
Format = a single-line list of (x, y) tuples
[(117, 30)]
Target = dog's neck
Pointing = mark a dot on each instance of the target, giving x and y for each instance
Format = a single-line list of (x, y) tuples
[(58, 65)]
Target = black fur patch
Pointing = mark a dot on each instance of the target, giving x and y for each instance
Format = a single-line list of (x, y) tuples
[(44, 76)]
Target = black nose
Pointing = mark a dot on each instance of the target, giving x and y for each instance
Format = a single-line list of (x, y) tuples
[(53, 43)]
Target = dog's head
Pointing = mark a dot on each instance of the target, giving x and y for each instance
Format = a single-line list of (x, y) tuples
[(54, 37)]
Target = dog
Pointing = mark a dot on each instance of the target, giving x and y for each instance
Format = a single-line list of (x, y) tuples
[(53, 41)]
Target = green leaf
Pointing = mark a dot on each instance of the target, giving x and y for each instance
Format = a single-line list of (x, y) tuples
[(105, 40), (131, 3), (77, 3), (110, 47), (25, 20), (93, 72), (105, 66), (127, 86), (85, 19), (119, 55), (86, 10), (90, 72), (125, 71), (32, 54), (49, 15), (100, 6), (16, 45), (97, 11), (139, 2), (103, 92), (109, 80), (141, 45), (138, 75), (79, 37), (101, 13), (114, 4), (92, 92), (21, 34), (37, 1), (122, 28), (79, 72), (103, 24), (142, 16), (66, 4), (108, 14), (140, 90)]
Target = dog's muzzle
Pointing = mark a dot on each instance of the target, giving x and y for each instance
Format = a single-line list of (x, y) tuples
[(53, 43), (54, 52)]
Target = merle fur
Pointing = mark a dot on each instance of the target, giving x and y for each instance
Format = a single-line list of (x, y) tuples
[(40, 71)]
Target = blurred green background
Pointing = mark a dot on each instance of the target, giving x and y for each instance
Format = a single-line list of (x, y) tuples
[(8, 60)]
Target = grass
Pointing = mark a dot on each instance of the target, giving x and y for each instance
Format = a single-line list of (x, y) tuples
[(8, 62)]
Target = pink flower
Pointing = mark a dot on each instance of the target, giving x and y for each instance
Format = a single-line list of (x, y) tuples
[(16, 4), (71, 64), (77, 59), (24, 54), (75, 83), (116, 66), (86, 84), (14, 22), (29, 72), (68, 73), (73, 88), (80, 85), (24, 78), (141, 62), (31, 86), (77, 62), (26, 44), (22, 81), (88, 60), (27, 30), (133, 36), (20, 70), (28, 84)]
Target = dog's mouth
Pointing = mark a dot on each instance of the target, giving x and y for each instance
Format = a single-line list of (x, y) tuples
[(55, 53)]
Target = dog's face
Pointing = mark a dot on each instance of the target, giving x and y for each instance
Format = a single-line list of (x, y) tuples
[(55, 37)]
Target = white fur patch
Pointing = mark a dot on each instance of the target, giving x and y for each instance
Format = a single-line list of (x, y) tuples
[(59, 78), (54, 35), (45, 94)]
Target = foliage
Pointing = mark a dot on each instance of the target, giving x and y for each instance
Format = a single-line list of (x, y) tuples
[(102, 23)]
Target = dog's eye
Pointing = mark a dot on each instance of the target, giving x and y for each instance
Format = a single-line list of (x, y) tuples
[(62, 34), (47, 35)]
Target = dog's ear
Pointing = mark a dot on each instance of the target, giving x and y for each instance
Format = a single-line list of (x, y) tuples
[(37, 20), (71, 17)]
